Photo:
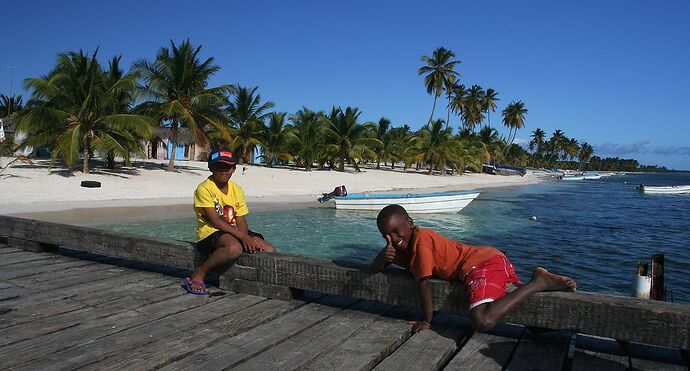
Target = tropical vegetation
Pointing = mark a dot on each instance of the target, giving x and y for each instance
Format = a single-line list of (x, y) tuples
[(81, 110)]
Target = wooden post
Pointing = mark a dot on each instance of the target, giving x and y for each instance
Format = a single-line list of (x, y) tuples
[(657, 291), (642, 268)]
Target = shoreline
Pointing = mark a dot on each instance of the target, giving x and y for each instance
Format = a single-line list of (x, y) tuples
[(147, 192)]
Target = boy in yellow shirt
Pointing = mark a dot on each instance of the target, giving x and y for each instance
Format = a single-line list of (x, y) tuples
[(222, 233)]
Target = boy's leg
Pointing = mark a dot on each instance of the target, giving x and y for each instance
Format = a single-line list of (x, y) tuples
[(227, 248), (485, 316)]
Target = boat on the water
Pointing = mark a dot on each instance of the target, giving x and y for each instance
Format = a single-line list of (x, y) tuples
[(667, 190), (583, 176), (435, 202)]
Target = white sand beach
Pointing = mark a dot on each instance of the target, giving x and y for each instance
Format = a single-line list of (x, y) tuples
[(43, 193)]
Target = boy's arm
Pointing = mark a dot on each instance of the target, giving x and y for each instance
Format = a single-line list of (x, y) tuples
[(384, 258), (218, 223), (427, 307), (251, 244)]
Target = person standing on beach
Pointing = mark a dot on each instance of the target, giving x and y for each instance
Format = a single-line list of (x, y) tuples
[(222, 232), (484, 270)]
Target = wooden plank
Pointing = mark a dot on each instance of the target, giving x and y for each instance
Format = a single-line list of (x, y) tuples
[(299, 349), (364, 349), (34, 350), (31, 245), (623, 318), (167, 253), (597, 353), (483, 352), (426, 350), (165, 349), (544, 352), (36, 328), (92, 351), (646, 357), (12, 259), (39, 268), (231, 351)]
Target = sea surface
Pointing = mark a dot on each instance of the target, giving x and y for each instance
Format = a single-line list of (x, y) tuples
[(595, 231)]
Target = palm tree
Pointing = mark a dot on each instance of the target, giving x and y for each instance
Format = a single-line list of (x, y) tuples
[(514, 119), (586, 152), (9, 105), (457, 99), (473, 107), (538, 142), (349, 139), (177, 85), (492, 141), (439, 73), (382, 131), (247, 114), (435, 145), (555, 144), (307, 144), (489, 103), (275, 139), (76, 109)]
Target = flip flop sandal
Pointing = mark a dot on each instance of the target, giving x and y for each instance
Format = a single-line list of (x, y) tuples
[(189, 286)]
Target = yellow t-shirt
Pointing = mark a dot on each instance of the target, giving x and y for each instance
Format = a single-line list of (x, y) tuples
[(228, 206)]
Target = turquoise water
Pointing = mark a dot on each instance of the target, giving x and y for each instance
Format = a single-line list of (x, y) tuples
[(595, 230)]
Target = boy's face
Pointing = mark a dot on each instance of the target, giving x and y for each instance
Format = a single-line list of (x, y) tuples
[(399, 228), (222, 171)]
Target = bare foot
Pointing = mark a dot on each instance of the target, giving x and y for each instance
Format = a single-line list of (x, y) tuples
[(548, 281)]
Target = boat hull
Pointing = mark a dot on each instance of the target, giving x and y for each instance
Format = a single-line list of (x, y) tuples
[(671, 190), (440, 202)]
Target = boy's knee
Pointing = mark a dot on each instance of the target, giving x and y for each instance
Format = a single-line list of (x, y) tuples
[(480, 322)]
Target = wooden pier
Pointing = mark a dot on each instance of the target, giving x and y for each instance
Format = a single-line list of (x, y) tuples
[(88, 299)]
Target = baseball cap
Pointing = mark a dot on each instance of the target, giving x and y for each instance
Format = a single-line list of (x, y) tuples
[(223, 156)]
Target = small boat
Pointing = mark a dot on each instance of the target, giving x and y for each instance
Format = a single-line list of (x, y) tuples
[(435, 202), (667, 190), (582, 176), (497, 169)]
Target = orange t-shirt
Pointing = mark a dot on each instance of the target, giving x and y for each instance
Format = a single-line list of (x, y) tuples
[(432, 254)]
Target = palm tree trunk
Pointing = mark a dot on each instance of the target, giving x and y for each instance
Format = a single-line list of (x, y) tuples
[(173, 143), (432, 109), (85, 163)]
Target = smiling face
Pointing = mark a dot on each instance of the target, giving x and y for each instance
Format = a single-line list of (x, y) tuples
[(399, 227), (222, 172)]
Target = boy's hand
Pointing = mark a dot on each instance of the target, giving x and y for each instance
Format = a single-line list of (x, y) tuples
[(250, 245), (420, 326), (388, 251)]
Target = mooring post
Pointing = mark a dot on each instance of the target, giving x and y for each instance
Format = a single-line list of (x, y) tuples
[(657, 291)]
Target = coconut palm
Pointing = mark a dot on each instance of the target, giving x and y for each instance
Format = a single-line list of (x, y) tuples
[(9, 105), (76, 109), (435, 145), (382, 131), (176, 86), (538, 143), (307, 143), (555, 144), (514, 119), (440, 74), (246, 113), (473, 107), (585, 154), (275, 139), (492, 140), (489, 103), (457, 99), (347, 138)]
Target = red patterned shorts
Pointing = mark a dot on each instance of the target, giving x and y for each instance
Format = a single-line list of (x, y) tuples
[(487, 281)]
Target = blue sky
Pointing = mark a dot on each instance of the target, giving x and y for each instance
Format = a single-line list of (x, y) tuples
[(614, 74)]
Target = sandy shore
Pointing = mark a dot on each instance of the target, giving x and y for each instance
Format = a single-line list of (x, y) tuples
[(147, 191)]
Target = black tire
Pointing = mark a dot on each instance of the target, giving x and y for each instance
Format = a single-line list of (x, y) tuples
[(90, 184)]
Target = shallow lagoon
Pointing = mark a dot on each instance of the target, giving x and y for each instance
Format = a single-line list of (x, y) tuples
[(595, 231)]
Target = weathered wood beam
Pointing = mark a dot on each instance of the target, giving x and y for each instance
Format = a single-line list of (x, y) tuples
[(169, 253), (623, 318)]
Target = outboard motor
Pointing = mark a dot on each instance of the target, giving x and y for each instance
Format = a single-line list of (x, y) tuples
[(339, 191)]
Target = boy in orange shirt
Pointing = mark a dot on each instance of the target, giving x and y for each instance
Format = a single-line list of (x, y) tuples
[(484, 270)]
